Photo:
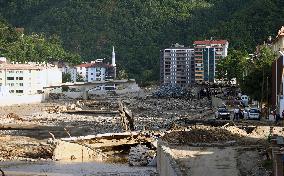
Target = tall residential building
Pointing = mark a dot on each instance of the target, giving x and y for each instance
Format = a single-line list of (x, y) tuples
[(177, 65), (207, 54), (28, 79)]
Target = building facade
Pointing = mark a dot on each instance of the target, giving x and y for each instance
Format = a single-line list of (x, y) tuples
[(95, 71), (277, 93), (177, 65), (207, 53), (28, 79)]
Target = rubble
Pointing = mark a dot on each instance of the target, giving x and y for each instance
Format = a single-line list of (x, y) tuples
[(60, 109), (127, 120), (166, 112), (140, 156), (201, 135), (14, 116), (19, 148), (171, 90)]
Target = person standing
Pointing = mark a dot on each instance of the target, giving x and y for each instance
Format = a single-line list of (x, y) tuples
[(236, 114)]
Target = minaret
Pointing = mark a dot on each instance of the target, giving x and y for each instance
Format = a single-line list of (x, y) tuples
[(113, 61), (113, 57)]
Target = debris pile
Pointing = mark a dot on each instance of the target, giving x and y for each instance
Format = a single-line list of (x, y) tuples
[(201, 135), (14, 116), (14, 148), (139, 156), (171, 90), (56, 96), (59, 109)]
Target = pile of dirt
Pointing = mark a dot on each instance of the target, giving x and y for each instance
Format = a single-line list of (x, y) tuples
[(201, 135), (20, 148), (236, 130)]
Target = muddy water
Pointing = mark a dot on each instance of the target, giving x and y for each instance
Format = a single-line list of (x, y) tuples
[(50, 168)]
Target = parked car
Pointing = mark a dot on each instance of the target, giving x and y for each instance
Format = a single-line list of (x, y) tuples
[(222, 113), (254, 113)]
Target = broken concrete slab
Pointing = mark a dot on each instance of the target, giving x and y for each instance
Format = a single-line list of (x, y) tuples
[(72, 151)]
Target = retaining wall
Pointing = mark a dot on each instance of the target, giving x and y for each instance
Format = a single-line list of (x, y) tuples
[(166, 164), (23, 99)]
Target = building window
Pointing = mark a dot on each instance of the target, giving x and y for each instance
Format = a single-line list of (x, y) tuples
[(19, 91), (21, 84), (19, 78), (10, 71), (21, 71), (11, 91), (10, 78), (92, 73)]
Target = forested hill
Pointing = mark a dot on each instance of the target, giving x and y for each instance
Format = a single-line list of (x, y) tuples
[(140, 28)]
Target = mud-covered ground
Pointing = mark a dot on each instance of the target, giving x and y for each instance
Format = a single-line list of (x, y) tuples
[(24, 135)]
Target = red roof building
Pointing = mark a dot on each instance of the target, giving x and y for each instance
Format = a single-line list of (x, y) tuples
[(207, 53)]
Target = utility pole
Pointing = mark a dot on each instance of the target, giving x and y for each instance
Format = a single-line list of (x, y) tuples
[(267, 107)]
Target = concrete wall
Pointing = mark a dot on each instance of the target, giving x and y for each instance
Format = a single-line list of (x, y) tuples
[(166, 165), (24, 99)]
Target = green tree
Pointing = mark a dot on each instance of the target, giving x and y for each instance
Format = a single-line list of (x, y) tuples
[(79, 78), (122, 74), (140, 29), (254, 84), (66, 77), (232, 66)]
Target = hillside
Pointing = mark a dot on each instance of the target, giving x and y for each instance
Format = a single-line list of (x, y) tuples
[(139, 29)]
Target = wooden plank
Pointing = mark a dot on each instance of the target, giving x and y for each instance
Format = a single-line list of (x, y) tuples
[(90, 112)]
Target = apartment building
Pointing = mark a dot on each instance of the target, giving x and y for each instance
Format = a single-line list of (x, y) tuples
[(277, 81), (207, 53), (95, 71), (28, 79), (177, 65)]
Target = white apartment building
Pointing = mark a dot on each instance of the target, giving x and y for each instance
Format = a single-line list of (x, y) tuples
[(70, 70), (28, 79), (91, 72), (177, 65)]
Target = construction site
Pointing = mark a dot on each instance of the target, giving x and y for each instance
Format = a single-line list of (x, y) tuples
[(149, 133)]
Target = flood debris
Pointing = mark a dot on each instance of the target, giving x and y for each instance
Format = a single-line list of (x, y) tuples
[(127, 120), (171, 90), (92, 129), (14, 116), (140, 155), (62, 108)]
